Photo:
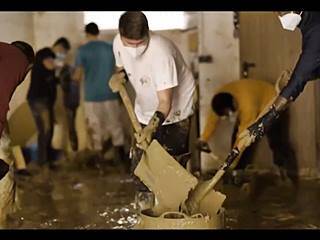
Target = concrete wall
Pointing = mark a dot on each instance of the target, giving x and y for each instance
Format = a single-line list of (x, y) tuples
[(216, 39)]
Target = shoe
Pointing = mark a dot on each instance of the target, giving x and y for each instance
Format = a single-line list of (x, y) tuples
[(23, 172)]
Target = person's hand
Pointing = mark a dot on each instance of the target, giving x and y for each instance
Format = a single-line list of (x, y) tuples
[(116, 81), (145, 137), (151, 131), (203, 146)]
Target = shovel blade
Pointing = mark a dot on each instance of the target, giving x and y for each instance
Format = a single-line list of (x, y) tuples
[(165, 177)]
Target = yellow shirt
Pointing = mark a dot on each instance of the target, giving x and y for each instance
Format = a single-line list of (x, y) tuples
[(251, 96)]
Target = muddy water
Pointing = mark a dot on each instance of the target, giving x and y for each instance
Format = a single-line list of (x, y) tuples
[(83, 198)]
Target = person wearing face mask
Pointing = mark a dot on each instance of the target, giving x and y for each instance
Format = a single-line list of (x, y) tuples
[(245, 99), (70, 88), (306, 69), (41, 99), (163, 84), (95, 61)]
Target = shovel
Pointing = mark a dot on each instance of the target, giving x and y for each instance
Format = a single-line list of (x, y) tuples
[(157, 169), (193, 203)]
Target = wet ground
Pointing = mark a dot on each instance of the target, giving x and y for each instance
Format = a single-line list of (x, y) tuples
[(76, 197)]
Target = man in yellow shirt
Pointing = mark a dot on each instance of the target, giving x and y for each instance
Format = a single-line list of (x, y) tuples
[(247, 99)]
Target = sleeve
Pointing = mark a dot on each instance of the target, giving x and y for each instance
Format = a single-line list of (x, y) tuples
[(166, 74), (210, 126), (305, 69), (116, 52), (79, 59)]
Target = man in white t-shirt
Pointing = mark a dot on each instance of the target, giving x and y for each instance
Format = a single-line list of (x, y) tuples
[(163, 84)]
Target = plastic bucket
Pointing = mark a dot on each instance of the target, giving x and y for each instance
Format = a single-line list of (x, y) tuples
[(178, 220)]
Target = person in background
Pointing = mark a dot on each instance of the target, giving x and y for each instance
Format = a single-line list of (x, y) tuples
[(244, 100), (95, 61), (41, 98)]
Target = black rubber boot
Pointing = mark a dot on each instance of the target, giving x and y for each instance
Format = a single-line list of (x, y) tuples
[(4, 168)]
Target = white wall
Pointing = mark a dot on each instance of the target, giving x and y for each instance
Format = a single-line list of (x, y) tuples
[(216, 39)]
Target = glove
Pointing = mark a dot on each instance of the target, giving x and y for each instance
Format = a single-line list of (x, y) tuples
[(258, 129), (203, 146), (116, 80), (151, 131)]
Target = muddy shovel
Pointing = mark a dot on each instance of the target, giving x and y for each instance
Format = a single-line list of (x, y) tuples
[(157, 169), (204, 189)]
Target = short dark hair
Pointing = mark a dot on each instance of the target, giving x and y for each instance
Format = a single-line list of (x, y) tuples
[(26, 49), (133, 25), (222, 101), (92, 29), (64, 42), (44, 53)]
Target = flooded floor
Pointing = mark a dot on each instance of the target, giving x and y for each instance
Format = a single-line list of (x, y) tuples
[(76, 197)]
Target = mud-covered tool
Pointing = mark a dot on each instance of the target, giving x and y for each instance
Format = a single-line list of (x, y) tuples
[(157, 169), (192, 204)]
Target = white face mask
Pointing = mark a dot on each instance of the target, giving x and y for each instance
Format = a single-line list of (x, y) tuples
[(136, 52), (59, 60), (290, 20)]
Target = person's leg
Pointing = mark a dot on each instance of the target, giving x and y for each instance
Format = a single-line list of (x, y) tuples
[(113, 126), (49, 132), (71, 121), (283, 154), (175, 139), (93, 125), (40, 115)]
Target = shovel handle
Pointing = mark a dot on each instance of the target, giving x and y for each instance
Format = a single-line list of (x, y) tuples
[(128, 105)]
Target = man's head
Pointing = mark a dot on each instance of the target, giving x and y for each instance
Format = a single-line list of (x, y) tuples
[(61, 45), (223, 104), (27, 50), (91, 30), (134, 29), (61, 48), (46, 57)]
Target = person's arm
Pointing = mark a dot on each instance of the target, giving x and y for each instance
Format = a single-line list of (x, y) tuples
[(78, 71), (210, 126), (165, 101), (304, 71)]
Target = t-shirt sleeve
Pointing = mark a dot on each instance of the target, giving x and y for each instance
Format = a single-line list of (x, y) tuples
[(166, 74), (116, 52)]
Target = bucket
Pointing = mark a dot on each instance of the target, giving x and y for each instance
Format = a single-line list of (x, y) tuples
[(179, 220)]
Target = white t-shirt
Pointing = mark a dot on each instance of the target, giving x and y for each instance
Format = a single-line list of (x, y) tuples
[(160, 67)]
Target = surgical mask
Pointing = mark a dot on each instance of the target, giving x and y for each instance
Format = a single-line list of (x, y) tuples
[(59, 60), (136, 52), (290, 20)]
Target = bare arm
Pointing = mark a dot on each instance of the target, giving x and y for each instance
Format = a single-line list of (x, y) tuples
[(77, 75), (165, 101)]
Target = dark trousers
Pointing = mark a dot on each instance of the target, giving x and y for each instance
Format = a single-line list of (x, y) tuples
[(278, 140), (43, 115), (71, 121), (174, 138)]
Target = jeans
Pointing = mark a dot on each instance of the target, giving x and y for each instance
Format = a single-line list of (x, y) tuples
[(43, 115)]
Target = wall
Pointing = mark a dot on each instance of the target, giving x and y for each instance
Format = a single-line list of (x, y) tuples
[(216, 39)]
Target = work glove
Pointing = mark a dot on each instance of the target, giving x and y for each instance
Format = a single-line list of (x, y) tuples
[(258, 129), (116, 80), (151, 131), (203, 146)]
